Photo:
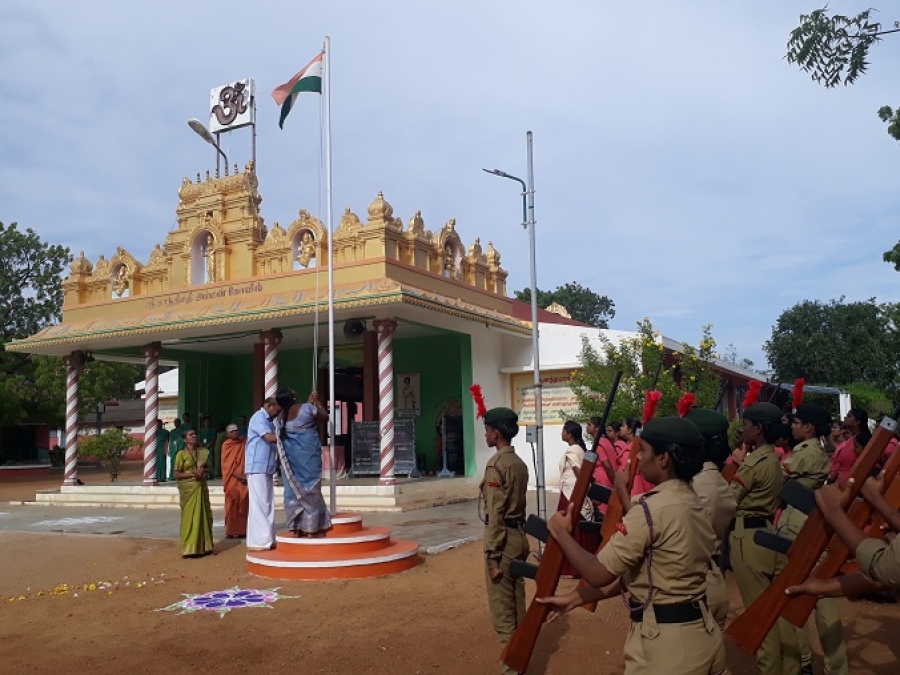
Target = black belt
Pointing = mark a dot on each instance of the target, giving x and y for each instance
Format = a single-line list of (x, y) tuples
[(677, 612), (514, 523), (750, 522)]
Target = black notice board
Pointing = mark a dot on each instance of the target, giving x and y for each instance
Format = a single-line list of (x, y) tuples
[(365, 444), (453, 444)]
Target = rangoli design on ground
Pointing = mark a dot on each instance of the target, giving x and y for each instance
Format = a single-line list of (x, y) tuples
[(225, 601)]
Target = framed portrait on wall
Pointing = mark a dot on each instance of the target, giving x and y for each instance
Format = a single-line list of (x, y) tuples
[(409, 398)]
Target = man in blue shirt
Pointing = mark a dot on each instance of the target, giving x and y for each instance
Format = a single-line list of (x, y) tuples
[(260, 460)]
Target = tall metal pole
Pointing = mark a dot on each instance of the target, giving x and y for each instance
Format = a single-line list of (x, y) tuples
[(528, 222), (332, 473), (538, 388)]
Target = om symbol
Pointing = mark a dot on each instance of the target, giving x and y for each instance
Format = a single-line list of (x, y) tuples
[(232, 104)]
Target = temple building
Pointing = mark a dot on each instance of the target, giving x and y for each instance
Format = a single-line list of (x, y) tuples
[(241, 308)]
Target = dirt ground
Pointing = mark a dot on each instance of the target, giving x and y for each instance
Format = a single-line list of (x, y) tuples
[(83, 603)]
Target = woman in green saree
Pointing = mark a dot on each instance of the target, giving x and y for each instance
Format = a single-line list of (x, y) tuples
[(191, 471)]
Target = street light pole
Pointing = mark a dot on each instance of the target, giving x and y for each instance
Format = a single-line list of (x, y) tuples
[(528, 222), (198, 128)]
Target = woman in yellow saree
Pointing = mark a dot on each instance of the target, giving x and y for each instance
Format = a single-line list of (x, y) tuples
[(191, 471)]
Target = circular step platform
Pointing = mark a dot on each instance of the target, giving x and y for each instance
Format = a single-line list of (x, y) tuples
[(348, 551)]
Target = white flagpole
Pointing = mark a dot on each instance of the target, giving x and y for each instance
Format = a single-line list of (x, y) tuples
[(326, 92)]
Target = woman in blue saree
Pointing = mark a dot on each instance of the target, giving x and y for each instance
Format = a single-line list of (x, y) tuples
[(300, 454), (191, 469)]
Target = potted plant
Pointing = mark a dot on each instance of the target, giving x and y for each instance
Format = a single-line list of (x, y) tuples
[(108, 447)]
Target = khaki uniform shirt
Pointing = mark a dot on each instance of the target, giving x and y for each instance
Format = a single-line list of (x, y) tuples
[(681, 543), (717, 497), (503, 490), (880, 561), (808, 465), (757, 484)]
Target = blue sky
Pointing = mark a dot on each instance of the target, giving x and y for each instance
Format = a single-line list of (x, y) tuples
[(682, 166)]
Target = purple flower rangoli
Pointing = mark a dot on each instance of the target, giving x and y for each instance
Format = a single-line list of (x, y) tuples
[(225, 601)]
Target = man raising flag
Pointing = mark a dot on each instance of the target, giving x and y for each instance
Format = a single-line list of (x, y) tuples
[(308, 79)]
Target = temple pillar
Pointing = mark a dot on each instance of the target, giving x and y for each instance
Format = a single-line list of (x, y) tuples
[(270, 340), (73, 363), (151, 410), (385, 330)]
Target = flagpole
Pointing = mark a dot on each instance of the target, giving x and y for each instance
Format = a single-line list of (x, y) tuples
[(326, 91)]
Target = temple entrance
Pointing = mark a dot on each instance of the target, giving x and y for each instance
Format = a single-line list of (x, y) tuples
[(348, 395)]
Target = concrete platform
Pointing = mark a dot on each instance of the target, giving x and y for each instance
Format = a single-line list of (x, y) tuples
[(353, 494)]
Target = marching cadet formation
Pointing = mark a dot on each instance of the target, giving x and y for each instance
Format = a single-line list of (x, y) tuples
[(667, 558)]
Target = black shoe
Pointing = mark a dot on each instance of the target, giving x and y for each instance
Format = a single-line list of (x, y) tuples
[(806, 669)]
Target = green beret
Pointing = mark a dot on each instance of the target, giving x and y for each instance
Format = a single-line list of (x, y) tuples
[(709, 422), (762, 412), (672, 430), (813, 413), (495, 415)]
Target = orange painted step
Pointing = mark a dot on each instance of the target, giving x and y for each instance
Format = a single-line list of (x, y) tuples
[(399, 556), (363, 540), (345, 522)]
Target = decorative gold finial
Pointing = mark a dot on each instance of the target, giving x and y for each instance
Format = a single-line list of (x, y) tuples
[(380, 210)]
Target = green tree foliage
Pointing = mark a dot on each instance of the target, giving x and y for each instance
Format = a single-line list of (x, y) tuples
[(582, 303), (833, 48), (99, 382), (109, 447), (30, 298), (835, 343), (640, 360)]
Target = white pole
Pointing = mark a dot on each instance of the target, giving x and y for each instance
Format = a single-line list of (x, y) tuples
[(540, 482), (332, 408)]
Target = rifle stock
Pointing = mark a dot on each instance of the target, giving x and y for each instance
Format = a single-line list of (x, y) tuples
[(518, 651), (800, 607), (749, 630)]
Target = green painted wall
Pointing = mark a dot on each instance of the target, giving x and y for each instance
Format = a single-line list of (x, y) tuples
[(223, 385), (444, 365)]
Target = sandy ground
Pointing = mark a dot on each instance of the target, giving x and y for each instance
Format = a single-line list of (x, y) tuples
[(72, 603)]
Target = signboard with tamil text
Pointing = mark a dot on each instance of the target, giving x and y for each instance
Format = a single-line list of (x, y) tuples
[(559, 401)]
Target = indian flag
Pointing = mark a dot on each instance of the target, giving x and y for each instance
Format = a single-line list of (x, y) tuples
[(308, 79)]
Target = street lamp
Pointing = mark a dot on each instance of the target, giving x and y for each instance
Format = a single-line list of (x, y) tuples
[(101, 408), (198, 128), (528, 223)]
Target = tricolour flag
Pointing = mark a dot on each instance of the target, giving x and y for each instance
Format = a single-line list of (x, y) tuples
[(308, 79)]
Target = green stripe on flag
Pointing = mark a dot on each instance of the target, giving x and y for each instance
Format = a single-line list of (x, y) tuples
[(310, 83)]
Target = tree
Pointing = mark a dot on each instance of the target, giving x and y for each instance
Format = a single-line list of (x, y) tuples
[(836, 343), (640, 360), (832, 48), (30, 299), (109, 447), (836, 47), (582, 303)]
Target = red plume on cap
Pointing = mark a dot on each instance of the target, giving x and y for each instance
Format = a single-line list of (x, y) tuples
[(650, 404), (685, 403), (479, 400), (797, 399), (752, 396)]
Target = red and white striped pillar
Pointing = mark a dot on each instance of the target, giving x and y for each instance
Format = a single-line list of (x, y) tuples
[(73, 363), (385, 329), (151, 410), (270, 340)]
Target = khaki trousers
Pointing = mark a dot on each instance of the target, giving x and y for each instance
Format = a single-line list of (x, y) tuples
[(506, 598)]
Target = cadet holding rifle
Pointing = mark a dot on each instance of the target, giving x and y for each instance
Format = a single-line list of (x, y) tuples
[(756, 486), (503, 492), (660, 555)]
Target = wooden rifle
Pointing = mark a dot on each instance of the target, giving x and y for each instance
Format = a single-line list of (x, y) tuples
[(800, 607), (750, 629), (615, 509), (518, 651)]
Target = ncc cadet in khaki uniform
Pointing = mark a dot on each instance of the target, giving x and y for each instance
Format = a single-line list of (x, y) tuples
[(503, 493), (662, 552), (809, 465), (756, 486), (718, 498)]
